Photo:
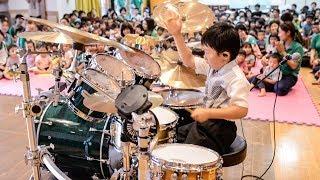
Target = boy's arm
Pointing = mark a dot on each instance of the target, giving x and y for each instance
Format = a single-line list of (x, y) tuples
[(230, 112)]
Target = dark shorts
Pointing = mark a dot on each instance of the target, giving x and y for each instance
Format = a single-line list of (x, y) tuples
[(217, 134)]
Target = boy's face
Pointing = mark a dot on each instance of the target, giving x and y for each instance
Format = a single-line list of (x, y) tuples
[(214, 59), (261, 36), (273, 41), (247, 48), (4, 27), (242, 34), (273, 62), (241, 58), (13, 52)]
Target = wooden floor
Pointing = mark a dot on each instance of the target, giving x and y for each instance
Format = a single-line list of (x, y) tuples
[(297, 146)]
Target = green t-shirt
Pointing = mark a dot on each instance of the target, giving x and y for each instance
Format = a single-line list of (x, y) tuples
[(293, 48), (315, 44), (252, 40)]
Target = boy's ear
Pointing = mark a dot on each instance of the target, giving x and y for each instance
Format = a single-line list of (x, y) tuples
[(226, 54)]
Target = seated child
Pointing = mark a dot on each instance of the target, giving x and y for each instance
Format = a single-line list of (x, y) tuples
[(267, 85), (30, 57), (241, 61), (250, 58), (261, 41), (12, 63), (42, 61)]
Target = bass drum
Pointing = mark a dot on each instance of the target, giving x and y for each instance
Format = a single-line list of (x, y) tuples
[(81, 148)]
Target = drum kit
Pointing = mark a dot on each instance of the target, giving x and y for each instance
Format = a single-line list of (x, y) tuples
[(117, 119)]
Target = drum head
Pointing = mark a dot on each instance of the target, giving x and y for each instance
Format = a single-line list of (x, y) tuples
[(143, 64), (182, 98), (184, 154), (103, 83), (165, 116), (115, 68)]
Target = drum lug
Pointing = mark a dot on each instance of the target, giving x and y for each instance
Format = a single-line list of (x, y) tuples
[(105, 161)]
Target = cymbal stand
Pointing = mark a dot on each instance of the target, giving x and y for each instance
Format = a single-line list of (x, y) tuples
[(32, 154)]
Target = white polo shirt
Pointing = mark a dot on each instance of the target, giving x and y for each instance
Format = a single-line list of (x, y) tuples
[(224, 87)]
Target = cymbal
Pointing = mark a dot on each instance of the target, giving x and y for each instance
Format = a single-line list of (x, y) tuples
[(195, 16), (51, 37), (155, 99), (142, 40), (176, 75), (78, 35)]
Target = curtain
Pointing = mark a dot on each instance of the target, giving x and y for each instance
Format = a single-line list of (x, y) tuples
[(88, 5)]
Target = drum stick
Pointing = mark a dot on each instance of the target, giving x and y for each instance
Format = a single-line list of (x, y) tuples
[(189, 110)]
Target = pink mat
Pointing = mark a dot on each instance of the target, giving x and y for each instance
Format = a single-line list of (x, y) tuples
[(296, 107), (42, 81)]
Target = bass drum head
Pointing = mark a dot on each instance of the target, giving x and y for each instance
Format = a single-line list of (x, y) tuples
[(75, 140), (116, 69)]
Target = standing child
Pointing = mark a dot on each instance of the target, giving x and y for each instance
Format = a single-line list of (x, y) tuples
[(267, 85)]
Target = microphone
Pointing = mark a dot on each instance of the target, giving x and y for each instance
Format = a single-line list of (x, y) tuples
[(294, 57)]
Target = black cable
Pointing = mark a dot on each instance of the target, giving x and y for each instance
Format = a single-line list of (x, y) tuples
[(274, 138)]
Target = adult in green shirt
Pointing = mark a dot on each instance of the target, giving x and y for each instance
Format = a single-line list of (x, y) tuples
[(290, 69), (18, 24), (315, 53)]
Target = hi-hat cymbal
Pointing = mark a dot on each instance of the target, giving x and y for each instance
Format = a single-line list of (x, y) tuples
[(195, 16), (78, 35), (51, 37), (176, 75)]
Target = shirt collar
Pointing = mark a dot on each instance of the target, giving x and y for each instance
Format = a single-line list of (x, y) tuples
[(226, 68)]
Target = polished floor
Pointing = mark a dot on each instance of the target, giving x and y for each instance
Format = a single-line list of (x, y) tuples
[(297, 146)]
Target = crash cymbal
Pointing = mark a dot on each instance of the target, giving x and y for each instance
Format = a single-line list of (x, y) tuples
[(195, 16), (141, 40), (51, 37), (155, 99), (176, 75), (78, 35)]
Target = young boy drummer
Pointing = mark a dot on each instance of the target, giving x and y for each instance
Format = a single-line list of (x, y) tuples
[(226, 89)]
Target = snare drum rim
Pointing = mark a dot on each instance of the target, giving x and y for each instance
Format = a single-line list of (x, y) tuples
[(169, 125), (186, 167), (139, 73), (180, 90), (131, 70), (95, 86)]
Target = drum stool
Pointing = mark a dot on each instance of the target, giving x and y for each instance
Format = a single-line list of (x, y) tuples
[(237, 153)]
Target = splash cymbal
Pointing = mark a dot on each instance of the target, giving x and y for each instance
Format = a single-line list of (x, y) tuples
[(51, 37), (141, 40), (195, 16)]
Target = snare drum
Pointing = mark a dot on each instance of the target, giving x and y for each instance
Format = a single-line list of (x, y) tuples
[(147, 70), (185, 161), (167, 122), (92, 83), (115, 68)]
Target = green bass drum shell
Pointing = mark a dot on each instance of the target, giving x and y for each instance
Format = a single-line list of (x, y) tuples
[(77, 142)]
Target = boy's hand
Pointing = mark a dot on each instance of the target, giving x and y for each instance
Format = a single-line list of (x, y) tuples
[(200, 115), (174, 25)]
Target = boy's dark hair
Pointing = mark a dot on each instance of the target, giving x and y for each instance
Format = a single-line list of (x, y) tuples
[(123, 9), (261, 31), (222, 37), (4, 20), (278, 10), (287, 17), (274, 21), (242, 52), (274, 36), (276, 56), (294, 5), (18, 16), (241, 27), (11, 46)]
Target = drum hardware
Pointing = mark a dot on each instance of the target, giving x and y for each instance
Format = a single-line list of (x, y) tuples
[(57, 74), (102, 131), (47, 123)]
